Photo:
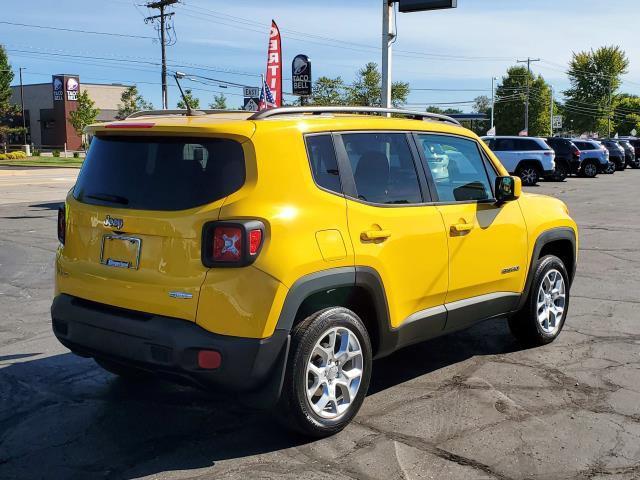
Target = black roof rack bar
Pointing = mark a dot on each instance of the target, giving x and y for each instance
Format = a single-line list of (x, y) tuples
[(159, 113), (320, 110)]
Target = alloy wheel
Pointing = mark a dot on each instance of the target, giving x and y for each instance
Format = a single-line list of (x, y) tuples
[(529, 176), (590, 170), (611, 167), (334, 372), (551, 302)]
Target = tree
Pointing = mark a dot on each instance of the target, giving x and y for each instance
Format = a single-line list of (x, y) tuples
[(219, 102), (6, 77), (367, 89), (132, 101), (85, 114), (194, 102), (626, 112), (595, 76), (328, 91), (446, 111), (9, 114), (511, 97)]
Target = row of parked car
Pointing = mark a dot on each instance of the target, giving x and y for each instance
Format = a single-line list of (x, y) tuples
[(555, 158)]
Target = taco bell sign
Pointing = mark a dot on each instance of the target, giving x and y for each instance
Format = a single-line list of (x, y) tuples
[(73, 88), (58, 89)]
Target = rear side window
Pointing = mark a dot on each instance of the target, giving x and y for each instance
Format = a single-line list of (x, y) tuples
[(383, 168), (528, 144), (324, 164), (150, 173)]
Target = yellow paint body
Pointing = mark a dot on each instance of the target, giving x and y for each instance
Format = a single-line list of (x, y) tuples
[(421, 263)]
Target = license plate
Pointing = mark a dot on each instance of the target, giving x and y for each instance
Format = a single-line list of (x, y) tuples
[(120, 251)]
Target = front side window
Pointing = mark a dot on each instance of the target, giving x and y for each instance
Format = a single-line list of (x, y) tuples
[(383, 168), (457, 167), (324, 165)]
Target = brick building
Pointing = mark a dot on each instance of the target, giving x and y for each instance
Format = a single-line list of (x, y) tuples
[(47, 107)]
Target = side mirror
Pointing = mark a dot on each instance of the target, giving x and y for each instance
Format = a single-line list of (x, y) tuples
[(508, 188)]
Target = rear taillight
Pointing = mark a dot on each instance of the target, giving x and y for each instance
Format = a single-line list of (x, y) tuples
[(227, 244), (576, 153), (62, 224), (231, 244)]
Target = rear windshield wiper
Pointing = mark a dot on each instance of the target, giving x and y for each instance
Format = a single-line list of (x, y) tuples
[(106, 197)]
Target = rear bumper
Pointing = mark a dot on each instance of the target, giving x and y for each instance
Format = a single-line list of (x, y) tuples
[(163, 345)]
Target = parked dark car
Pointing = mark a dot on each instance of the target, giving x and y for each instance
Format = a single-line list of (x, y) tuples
[(635, 142), (629, 153), (616, 153), (567, 157)]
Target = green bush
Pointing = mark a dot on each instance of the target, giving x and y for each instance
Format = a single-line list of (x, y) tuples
[(35, 153), (3, 156), (76, 154), (56, 153), (16, 155)]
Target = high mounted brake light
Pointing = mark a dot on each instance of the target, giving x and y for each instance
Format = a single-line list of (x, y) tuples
[(231, 243)]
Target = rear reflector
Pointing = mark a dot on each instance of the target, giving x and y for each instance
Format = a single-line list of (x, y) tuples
[(62, 224), (129, 125), (255, 240), (209, 359)]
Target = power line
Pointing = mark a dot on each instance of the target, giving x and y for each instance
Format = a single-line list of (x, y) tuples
[(72, 30)]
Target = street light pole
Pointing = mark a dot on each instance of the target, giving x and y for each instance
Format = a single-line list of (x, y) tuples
[(387, 51)]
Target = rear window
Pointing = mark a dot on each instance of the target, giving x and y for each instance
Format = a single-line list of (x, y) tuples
[(149, 173)]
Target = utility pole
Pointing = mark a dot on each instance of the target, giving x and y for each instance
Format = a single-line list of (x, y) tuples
[(551, 117), (161, 5), (493, 100), (609, 111), (526, 107), (388, 36), (24, 120)]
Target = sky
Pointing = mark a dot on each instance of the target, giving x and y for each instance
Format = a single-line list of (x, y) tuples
[(447, 56)]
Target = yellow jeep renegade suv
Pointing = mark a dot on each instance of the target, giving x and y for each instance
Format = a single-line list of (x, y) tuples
[(276, 254)]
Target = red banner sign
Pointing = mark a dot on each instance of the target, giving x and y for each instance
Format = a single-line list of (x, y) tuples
[(274, 66)]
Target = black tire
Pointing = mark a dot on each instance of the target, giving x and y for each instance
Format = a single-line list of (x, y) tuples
[(123, 371), (589, 169), (635, 164), (621, 166), (524, 325), (529, 174), (561, 172), (294, 408)]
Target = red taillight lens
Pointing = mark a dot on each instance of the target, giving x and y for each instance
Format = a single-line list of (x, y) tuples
[(62, 221), (227, 244), (577, 153), (209, 359), (255, 240)]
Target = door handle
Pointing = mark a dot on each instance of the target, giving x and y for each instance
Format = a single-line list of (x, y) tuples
[(461, 227), (375, 234)]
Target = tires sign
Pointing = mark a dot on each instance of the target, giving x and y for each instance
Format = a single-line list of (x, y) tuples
[(301, 76), (557, 122)]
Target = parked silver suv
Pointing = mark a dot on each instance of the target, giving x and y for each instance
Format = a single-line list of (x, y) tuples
[(530, 158)]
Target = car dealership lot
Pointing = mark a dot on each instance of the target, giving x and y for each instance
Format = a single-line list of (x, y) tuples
[(470, 405)]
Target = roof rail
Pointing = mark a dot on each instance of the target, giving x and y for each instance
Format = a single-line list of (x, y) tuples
[(320, 110), (159, 113)]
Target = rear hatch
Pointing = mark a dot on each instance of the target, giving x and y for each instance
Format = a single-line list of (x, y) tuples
[(135, 218)]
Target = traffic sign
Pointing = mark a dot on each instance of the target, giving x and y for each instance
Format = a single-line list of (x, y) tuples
[(301, 76), (251, 104), (251, 92), (423, 5), (557, 122)]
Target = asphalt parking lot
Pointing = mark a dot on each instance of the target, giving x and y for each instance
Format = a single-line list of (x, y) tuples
[(473, 405)]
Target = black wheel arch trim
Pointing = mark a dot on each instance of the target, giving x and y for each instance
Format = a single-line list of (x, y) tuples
[(546, 237)]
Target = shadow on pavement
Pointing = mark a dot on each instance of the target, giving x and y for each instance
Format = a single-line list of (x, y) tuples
[(64, 417), (48, 206)]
